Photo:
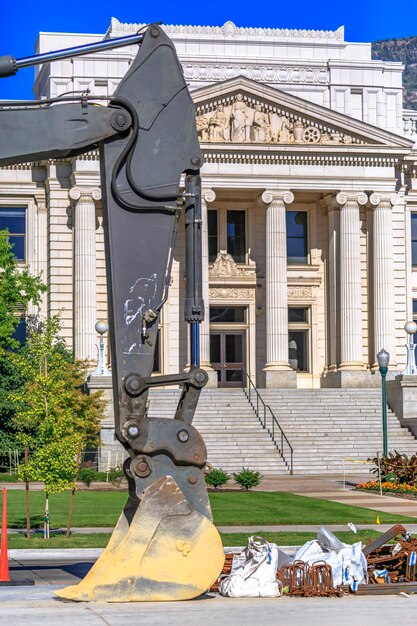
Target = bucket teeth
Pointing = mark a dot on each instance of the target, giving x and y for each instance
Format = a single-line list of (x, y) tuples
[(168, 552)]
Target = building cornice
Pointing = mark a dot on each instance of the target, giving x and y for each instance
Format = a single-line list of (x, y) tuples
[(362, 156), (357, 156), (231, 31)]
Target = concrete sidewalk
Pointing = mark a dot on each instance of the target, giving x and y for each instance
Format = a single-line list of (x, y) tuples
[(341, 489), (412, 528), (37, 606)]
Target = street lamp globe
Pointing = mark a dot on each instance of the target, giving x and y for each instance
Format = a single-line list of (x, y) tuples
[(410, 328), (383, 358), (101, 327)]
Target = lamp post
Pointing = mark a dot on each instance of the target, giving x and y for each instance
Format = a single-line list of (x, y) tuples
[(410, 328), (101, 369), (383, 361)]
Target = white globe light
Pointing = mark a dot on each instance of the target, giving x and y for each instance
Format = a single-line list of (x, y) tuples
[(410, 328), (103, 327)]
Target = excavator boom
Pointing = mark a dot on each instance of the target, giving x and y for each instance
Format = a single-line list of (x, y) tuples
[(164, 546)]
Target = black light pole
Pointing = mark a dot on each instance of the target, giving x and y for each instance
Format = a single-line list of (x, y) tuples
[(383, 361)]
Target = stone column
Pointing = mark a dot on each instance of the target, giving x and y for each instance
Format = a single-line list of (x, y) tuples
[(85, 310), (383, 275), (333, 216), (208, 195), (278, 372), (351, 351)]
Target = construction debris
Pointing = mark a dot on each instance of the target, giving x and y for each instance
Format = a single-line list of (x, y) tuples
[(328, 567), (391, 567), (301, 579)]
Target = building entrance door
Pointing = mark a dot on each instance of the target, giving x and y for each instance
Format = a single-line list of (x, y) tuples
[(227, 356)]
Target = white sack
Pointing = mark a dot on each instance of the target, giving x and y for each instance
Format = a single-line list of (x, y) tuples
[(253, 572)]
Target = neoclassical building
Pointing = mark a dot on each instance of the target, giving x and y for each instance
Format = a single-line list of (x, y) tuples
[(309, 206)]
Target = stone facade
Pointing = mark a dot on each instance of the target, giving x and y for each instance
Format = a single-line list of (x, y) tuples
[(290, 121)]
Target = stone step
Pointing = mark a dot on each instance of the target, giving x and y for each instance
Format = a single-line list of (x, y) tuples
[(323, 426)]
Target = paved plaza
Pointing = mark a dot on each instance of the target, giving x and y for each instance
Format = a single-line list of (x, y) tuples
[(36, 606)]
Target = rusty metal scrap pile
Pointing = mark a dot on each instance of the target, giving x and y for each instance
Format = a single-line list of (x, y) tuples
[(391, 569), (301, 579)]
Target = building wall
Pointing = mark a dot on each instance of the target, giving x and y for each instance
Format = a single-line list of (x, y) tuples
[(318, 67)]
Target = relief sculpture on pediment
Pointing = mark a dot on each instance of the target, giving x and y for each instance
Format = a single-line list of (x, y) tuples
[(242, 120)]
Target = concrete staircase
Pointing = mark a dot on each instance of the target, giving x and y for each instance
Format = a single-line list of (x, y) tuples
[(325, 425), (229, 427)]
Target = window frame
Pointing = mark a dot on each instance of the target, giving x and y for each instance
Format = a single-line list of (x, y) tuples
[(306, 239), (413, 216), (305, 327), (222, 223), (212, 212), (24, 209)]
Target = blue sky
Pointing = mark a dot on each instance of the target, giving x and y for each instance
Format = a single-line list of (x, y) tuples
[(21, 21)]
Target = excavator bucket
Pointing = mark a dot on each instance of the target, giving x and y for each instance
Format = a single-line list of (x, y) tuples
[(167, 552)]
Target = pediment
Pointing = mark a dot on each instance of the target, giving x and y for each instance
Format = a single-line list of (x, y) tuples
[(242, 111)]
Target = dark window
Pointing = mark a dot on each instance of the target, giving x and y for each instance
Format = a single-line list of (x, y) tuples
[(215, 351), (299, 338), (415, 319), (298, 350), (298, 315), (296, 237), (157, 354), (213, 244), (230, 314), (20, 332), (414, 238), (236, 236), (234, 349), (234, 376), (14, 220)]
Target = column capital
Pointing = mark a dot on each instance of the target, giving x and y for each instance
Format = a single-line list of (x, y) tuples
[(276, 195), (385, 200), (344, 198), (85, 194), (208, 194)]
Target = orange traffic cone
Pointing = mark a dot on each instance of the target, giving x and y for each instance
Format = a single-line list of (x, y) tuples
[(4, 557)]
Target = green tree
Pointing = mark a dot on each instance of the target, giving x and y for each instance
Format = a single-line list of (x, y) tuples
[(55, 419), (17, 289)]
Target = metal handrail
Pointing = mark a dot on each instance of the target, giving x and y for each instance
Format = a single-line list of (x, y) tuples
[(262, 417)]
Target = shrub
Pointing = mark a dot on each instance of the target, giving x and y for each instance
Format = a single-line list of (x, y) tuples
[(87, 475), (217, 478), (116, 476), (396, 466), (247, 478)]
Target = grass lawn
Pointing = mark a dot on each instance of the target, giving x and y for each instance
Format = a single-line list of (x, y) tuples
[(101, 508), (277, 508), (99, 540), (297, 538), (8, 478)]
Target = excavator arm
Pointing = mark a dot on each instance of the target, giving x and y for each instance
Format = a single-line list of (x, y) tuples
[(164, 546)]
